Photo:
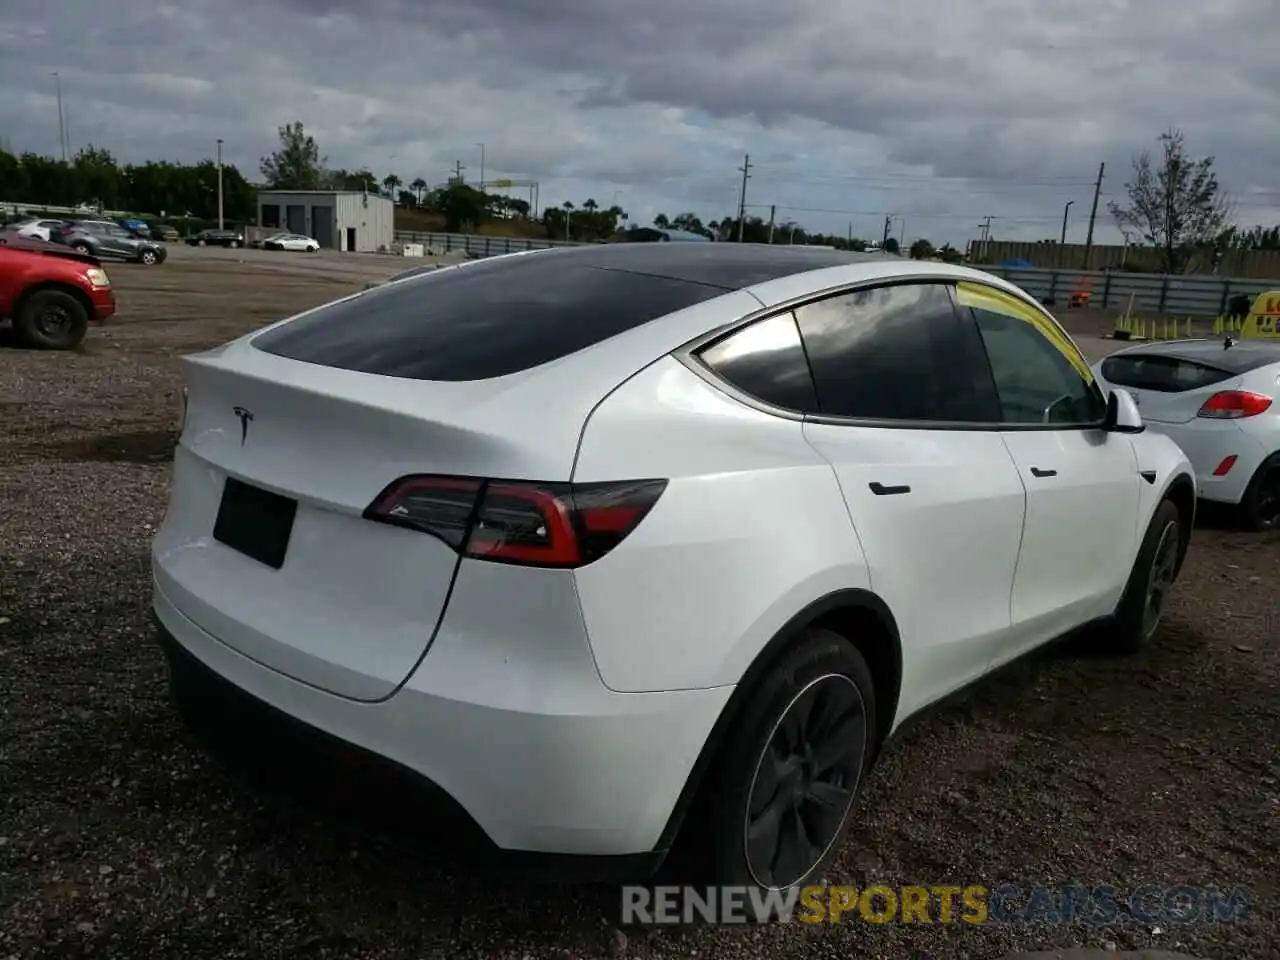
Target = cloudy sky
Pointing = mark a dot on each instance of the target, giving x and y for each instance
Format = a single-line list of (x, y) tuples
[(940, 112)]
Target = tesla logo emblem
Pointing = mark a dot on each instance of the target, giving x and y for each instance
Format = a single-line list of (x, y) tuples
[(245, 416)]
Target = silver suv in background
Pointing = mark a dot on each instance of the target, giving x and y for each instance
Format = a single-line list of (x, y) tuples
[(108, 240)]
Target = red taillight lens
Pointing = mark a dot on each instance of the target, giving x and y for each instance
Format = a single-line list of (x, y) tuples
[(1234, 404), (538, 524)]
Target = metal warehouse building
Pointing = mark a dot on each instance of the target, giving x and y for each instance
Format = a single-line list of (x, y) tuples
[(339, 219)]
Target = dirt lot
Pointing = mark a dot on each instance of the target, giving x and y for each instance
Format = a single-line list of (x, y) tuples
[(118, 839)]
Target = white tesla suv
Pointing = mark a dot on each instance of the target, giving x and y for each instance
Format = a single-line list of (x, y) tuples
[(1216, 399), (541, 552)]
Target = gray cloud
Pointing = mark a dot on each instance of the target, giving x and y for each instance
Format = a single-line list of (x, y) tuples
[(845, 110)]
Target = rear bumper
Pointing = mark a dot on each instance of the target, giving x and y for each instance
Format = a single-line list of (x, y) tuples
[(289, 762), (1207, 443), (580, 790)]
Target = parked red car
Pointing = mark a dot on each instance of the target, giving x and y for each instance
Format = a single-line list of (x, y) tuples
[(51, 293)]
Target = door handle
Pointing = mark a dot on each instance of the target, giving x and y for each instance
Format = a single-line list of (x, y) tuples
[(1037, 472), (880, 490)]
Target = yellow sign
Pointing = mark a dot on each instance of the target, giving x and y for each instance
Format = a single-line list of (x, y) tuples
[(501, 183), (1264, 318)]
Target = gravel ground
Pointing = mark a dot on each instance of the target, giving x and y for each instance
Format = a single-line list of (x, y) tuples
[(117, 838)]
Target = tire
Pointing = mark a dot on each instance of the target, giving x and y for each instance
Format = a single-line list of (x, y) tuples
[(827, 680), (1260, 505), (202, 243), (148, 258), (51, 320), (1154, 572), (84, 249), (233, 244)]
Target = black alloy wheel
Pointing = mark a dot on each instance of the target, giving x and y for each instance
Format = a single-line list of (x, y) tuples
[(805, 781), (1160, 579)]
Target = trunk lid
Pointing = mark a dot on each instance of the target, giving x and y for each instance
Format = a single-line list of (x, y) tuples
[(352, 604)]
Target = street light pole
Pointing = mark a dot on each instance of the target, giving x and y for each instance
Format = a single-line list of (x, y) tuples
[(481, 146), (219, 183), (1065, 210), (62, 124)]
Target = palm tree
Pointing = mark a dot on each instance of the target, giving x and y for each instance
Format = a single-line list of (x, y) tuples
[(591, 206), (391, 182), (417, 187), (568, 216)]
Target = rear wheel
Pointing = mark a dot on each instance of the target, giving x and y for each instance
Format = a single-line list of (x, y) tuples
[(147, 257), (1142, 607), (233, 244), (1260, 506), (786, 781), (83, 248), (51, 320), (202, 243)]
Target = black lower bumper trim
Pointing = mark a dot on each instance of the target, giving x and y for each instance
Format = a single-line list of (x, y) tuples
[(280, 758)]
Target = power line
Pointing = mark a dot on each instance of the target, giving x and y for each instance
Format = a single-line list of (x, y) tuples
[(923, 214), (929, 178)]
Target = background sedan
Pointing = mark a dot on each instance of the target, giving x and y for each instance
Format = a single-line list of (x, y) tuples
[(291, 241)]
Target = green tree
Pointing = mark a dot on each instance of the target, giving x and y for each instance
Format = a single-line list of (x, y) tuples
[(391, 183), (661, 221), (461, 204), (921, 249), (418, 185), (891, 246), (297, 165), (1174, 201), (949, 254)]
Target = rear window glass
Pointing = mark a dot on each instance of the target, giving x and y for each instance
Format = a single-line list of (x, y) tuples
[(481, 320), (1161, 374)]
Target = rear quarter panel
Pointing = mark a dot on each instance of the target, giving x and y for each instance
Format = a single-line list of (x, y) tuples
[(751, 528)]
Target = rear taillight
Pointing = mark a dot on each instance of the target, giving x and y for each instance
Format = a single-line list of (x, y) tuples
[(1234, 404), (537, 524)]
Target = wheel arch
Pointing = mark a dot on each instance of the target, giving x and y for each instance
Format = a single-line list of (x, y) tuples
[(1181, 491), (857, 615), (59, 286)]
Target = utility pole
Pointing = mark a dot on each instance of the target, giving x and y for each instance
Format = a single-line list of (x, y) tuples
[(1065, 210), (742, 198), (1093, 215), (481, 146), (902, 232), (219, 183), (986, 235), (773, 209), (888, 223), (849, 237), (62, 124), (457, 171)]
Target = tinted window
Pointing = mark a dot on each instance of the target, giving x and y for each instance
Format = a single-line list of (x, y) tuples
[(1163, 374), (481, 319), (896, 353), (1035, 381), (766, 360)]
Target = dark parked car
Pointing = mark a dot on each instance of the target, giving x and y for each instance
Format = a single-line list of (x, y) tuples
[(217, 238), (103, 238), (162, 231)]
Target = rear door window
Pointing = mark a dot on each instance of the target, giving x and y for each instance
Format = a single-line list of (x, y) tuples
[(481, 320), (897, 353), (765, 360), (1161, 374)]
